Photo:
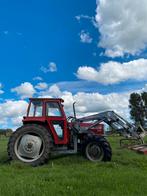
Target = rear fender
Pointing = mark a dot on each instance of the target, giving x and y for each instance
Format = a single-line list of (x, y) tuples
[(39, 122)]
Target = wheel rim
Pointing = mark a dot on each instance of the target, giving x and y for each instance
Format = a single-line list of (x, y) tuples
[(29, 147), (94, 152)]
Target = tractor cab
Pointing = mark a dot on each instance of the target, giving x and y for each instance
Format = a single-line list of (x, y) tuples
[(45, 107), (49, 113)]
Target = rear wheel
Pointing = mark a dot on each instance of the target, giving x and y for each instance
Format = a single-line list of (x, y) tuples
[(97, 149), (30, 144)]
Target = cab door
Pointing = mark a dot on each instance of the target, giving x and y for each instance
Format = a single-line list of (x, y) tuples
[(57, 122)]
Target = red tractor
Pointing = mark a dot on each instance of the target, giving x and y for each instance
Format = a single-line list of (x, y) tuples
[(47, 130)]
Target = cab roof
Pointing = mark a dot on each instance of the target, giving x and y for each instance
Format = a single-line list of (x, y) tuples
[(47, 99)]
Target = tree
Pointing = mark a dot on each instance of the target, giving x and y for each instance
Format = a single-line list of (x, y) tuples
[(144, 98), (138, 105)]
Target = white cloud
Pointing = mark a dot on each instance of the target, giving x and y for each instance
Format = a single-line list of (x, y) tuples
[(90, 18), (37, 78), (17, 121), (122, 25), (12, 112), (41, 86), (96, 102), (82, 16), (85, 37), (52, 91), (90, 103), (13, 108), (52, 67), (25, 90), (115, 72)]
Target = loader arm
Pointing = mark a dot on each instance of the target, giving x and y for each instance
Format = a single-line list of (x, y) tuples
[(118, 123)]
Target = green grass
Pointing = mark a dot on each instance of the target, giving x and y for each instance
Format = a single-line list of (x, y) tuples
[(126, 175)]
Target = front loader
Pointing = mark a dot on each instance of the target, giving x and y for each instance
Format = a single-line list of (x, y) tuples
[(46, 130)]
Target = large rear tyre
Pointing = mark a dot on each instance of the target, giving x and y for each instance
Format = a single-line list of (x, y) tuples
[(97, 149), (30, 144)]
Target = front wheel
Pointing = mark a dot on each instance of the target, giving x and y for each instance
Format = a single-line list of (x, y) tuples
[(30, 144), (97, 149)]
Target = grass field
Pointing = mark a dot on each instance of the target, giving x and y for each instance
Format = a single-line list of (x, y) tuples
[(126, 175)]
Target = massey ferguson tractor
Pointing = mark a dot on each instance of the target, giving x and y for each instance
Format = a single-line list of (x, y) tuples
[(46, 130)]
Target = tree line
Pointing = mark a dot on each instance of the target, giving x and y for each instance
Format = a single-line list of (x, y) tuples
[(6, 132)]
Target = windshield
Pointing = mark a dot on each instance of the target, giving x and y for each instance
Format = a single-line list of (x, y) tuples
[(36, 109), (53, 109)]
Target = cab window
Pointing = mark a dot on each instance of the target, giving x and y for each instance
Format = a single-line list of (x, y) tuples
[(53, 109), (36, 109)]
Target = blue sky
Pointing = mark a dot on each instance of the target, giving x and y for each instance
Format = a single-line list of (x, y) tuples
[(87, 43), (33, 33)]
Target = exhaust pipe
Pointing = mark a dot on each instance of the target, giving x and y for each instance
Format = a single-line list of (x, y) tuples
[(74, 110)]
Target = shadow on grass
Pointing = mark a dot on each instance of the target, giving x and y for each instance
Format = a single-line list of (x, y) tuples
[(61, 160)]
